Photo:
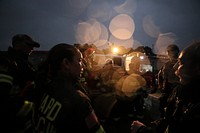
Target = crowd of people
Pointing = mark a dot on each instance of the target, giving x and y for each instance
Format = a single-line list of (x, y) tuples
[(54, 97), (183, 105)]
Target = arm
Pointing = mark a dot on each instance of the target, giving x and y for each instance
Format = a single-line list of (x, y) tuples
[(138, 127)]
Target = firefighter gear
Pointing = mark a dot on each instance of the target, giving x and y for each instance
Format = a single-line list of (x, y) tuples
[(63, 107), (16, 84)]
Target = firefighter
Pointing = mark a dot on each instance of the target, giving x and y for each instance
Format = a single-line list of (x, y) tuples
[(62, 104), (16, 83), (167, 79)]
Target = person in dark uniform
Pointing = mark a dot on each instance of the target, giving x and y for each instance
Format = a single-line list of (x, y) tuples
[(17, 77), (183, 109), (62, 104), (167, 79)]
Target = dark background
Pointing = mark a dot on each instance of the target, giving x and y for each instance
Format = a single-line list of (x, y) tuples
[(52, 21)]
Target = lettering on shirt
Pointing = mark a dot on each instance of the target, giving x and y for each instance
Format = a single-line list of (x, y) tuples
[(50, 108)]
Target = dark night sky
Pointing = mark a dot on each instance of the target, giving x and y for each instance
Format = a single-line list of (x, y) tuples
[(156, 22)]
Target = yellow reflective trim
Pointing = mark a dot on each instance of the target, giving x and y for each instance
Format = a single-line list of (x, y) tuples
[(32, 83), (6, 78), (167, 129), (100, 130), (25, 109)]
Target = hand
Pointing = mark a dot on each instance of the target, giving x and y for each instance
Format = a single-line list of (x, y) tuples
[(135, 126)]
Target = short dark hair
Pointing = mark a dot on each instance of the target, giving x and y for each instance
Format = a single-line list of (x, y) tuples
[(173, 48)]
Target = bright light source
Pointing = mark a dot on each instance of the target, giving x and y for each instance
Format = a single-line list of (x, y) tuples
[(115, 50), (141, 57)]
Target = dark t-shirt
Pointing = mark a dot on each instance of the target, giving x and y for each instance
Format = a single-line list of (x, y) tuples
[(65, 109)]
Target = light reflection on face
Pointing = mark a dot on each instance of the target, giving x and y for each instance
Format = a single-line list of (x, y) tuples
[(76, 67), (182, 69)]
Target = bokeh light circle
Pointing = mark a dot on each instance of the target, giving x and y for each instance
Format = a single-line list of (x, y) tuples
[(122, 26)]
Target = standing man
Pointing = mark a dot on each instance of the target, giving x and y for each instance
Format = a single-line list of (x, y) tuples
[(16, 82), (184, 103), (167, 79)]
